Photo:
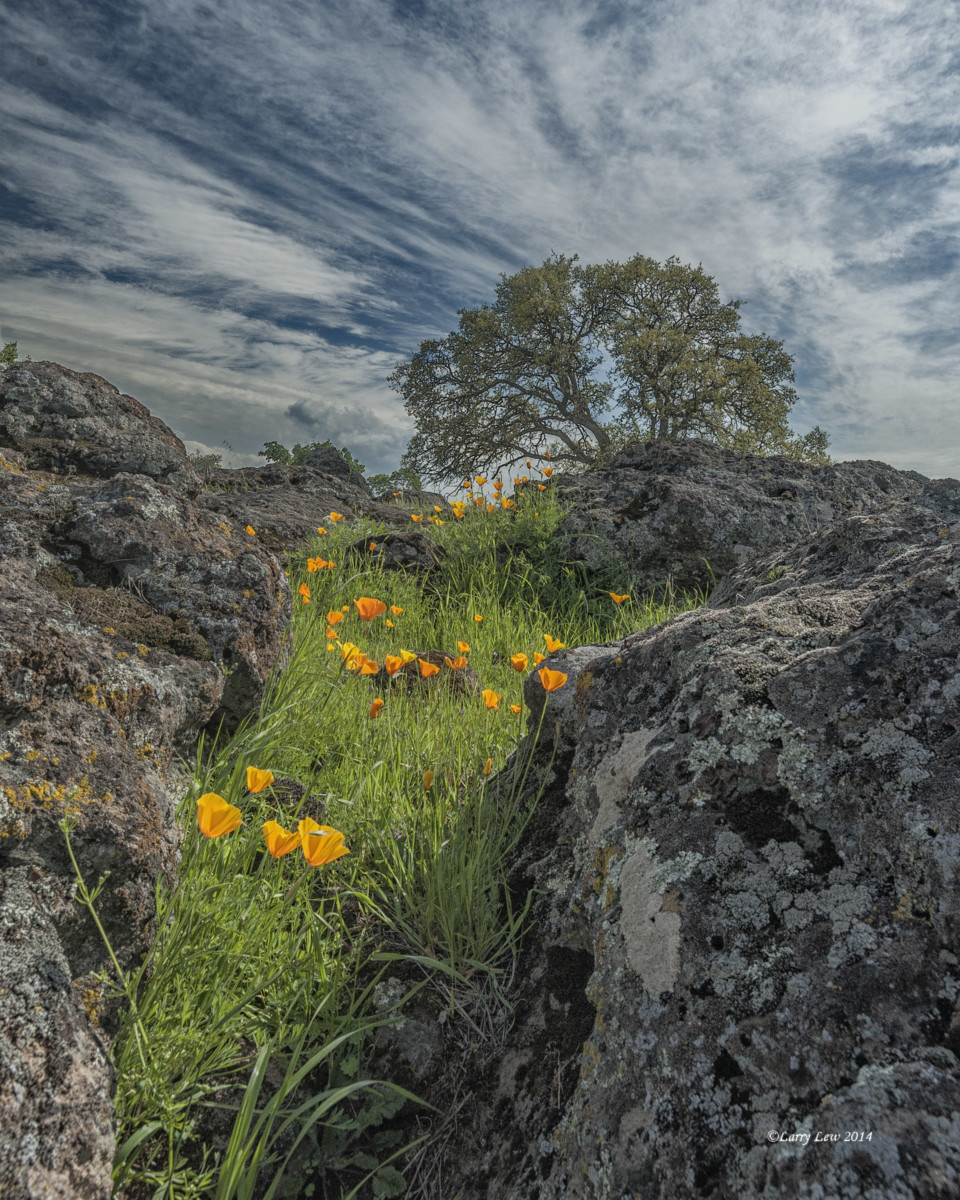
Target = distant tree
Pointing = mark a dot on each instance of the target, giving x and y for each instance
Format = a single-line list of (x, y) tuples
[(401, 480), (521, 376), (275, 452), (8, 355)]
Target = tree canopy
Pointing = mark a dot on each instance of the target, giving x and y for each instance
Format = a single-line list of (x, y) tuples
[(582, 360)]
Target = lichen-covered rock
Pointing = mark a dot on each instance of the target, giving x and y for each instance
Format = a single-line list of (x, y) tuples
[(742, 974), (131, 619), (286, 504), (404, 550), (683, 513), (69, 422)]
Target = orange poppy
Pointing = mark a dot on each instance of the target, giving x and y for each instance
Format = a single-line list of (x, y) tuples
[(280, 841), (321, 843), (546, 454), (498, 485), (368, 666), (368, 608), (491, 508), (553, 644), (335, 517), (216, 817), (477, 617), (463, 647), (375, 707), (396, 611), (373, 545), (518, 662), (427, 668), (258, 780), (455, 664), (491, 698), (416, 517), (407, 656), (332, 633), (548, 471), (330, 565), (481, 480), (516, 709), (529, 464), (619, 599), (487, 765), (334, 617), (551, 680), (541, 487), (251, 530), (392, 663), (304, 593), (538, 658), (507, 503), (388, 623), (321, 531)]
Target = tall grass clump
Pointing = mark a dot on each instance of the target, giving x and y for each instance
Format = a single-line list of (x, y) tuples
[(243, 1035)]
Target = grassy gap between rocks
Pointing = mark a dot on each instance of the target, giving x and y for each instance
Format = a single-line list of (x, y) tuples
[(241, 1048)]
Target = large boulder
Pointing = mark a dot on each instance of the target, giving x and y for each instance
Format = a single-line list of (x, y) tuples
[(130, 620), (683, 513), (741, 974), (70, 422), (286, 504)]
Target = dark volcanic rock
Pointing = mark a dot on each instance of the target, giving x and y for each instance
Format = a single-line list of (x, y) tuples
[(405, 550), (666, 509), (130, 619), (67, 422), (746, 925), (286, 505)]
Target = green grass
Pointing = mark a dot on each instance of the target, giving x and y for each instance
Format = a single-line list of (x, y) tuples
[(239, 1056)]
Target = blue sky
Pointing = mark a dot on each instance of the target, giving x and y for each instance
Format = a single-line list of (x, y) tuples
[(245, 213)]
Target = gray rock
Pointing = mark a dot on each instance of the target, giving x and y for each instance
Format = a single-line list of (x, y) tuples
[(69, 422), (688, 511), (748, 906)]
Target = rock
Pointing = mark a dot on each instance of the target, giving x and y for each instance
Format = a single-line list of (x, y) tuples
[(285, 505), (68, 422), (748, 908), (405, 550), (667, 509), (329, 461), (131, 618)]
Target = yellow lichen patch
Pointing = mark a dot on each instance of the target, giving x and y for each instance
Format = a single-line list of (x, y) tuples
[(4, 756), (225, 528), (110, 629), (122, 654), (7, 464), (32, 755), (64, 799), (91, 1000), (584, 683), (602, 858), (912, 907), (143, 651), (145, 751), (92, 756), (91, 694)]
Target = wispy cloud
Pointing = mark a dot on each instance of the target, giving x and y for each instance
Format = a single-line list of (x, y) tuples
[(246, 216)]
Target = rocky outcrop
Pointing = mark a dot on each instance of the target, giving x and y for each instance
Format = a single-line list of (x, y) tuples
[(742, 977), (130, 619), (689, 511), (287, 504)]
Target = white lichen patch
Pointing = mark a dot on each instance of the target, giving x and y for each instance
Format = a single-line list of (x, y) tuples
[(651, 935), (613, 778)]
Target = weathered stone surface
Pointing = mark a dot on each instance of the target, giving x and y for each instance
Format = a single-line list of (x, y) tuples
[(405, 550), (68, 422), (285, 505), (747, 920), (666, 509), (130, 619)]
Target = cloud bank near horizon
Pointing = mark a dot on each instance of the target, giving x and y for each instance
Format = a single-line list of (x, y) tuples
[(246, 215)]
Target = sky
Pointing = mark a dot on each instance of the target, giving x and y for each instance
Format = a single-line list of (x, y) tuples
[(244, 214)]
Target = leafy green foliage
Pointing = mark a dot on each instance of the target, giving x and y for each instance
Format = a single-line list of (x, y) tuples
[(8, 355), (522, 376), (278, 453), (402, 480)]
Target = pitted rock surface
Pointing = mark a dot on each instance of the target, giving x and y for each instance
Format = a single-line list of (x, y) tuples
[(746, 929), (287, 504), (69, 422), (131, 618), (683, 513)]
